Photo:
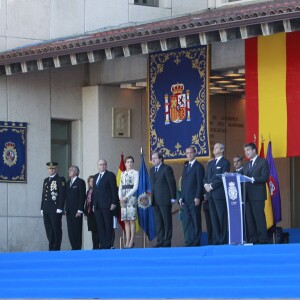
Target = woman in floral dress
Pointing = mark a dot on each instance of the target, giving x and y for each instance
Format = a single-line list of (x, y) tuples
[(128, 200)]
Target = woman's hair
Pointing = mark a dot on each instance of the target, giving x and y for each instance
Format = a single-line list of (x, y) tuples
[(88, 180), (129, 157)]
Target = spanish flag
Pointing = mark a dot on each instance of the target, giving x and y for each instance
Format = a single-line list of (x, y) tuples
[(268, 202), (120, 170), (272, 65)]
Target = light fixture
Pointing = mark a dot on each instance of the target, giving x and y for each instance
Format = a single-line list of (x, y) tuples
[(126, 85), (223, 81), (231, 86), (238, 90), (133, 86), (141, 84), (224, 92), (216, 77), (216, 88), (232, 74)]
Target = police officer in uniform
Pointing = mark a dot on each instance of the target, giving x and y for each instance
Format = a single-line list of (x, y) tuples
[(52, 206)]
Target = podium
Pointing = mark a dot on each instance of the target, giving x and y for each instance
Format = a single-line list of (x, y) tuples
[(234, 200)]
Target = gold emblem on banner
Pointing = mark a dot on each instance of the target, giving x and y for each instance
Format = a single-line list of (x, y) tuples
[(10, 154), (179, 106)]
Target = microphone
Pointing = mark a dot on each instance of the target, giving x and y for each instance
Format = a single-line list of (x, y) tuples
[(241, 158)]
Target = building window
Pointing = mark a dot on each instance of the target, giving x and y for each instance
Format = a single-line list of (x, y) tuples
[(61, 145), (154, 3), (228, 2)]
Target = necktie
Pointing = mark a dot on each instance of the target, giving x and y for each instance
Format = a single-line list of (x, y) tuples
[(156, 169), (189, 167), (98, 180), (251, 164)]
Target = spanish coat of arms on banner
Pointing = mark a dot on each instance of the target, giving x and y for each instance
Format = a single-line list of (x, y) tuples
[(178, 101)]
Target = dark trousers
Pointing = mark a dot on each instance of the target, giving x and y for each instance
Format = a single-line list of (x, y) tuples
[(192, 216), (104, 220), (95, 239), (163, 224), (256, 222), (219, 222), (185, 231), (208, 222), (74, 230), (53, 229)]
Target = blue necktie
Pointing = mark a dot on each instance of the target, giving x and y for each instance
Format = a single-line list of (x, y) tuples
[(98, 181), (189, 167)]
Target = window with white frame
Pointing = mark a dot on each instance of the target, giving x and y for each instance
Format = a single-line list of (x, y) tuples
[(228, 2), (154, 3)]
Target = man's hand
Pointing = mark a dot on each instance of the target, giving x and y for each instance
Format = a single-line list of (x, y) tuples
[(207, 187), (78, 214), (113, 206), (181, 203), (197, 201), (42, 212), (58, 211)]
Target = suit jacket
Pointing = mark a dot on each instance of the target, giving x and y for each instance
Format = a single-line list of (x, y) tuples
[(163, 185), (192, 182), (106, 193), (260, 172), (211, 177), (53, 195), (75, 195)]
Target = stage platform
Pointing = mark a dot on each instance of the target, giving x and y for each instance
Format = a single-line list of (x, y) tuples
[(214, 272)]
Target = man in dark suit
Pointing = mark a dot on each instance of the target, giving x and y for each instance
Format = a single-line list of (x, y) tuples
[(258, 169), (104, 199), (238, 164), (163, 194), (216, 196), (192, 197), (75, 197), (52, 206)]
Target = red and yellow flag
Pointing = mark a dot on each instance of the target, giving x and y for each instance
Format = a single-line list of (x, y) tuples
[(120, 170), (273, 91), (268, 202)]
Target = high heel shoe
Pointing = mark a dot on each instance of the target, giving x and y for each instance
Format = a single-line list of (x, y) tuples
[(131, 245)]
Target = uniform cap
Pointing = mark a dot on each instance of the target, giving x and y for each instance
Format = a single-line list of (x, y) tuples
[(51, 164)]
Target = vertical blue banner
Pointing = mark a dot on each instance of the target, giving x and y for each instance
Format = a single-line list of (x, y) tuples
[(232, 187), (13, 144), (145, 209), (178, 102)]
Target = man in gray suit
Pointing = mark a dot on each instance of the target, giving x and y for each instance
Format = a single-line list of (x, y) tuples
[(163, 194), (258, 169), (192, 196)]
